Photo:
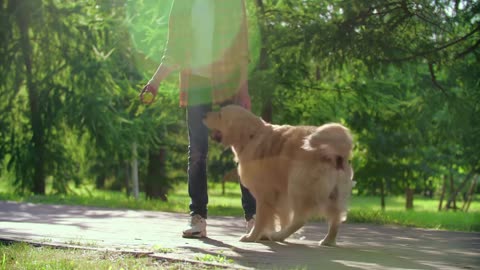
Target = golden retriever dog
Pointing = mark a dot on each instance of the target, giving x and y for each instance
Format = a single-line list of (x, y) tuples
[(294, 172)]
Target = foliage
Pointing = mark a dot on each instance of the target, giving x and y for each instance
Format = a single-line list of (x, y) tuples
[(85, 92), (403, 75), (390, 70)]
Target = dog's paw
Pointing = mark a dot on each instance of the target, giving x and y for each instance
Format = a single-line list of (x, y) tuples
[(328, 243), (277, 237), (247, 238), (265, 238)]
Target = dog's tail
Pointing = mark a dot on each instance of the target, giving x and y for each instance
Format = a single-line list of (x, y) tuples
[(332, 142)]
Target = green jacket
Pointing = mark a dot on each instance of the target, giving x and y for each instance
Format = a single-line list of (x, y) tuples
[(229, 65)]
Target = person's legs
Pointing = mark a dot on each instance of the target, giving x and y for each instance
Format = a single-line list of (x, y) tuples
[(248, 203), (249, 208), (197, 159)]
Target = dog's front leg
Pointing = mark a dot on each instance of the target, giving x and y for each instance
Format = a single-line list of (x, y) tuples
[(330, 238), (262, 219)]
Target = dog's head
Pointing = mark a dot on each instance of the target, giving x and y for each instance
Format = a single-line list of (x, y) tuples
[(233, 125)]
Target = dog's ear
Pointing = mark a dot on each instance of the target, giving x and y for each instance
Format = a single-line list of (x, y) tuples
[(240, 126), (240, 134), (248, 131), (228, 129)]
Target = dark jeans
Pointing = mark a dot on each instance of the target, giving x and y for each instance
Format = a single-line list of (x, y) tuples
[(197, 161)]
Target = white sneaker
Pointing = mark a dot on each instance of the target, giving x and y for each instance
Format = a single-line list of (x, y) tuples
[(250, 224), (197, 228)]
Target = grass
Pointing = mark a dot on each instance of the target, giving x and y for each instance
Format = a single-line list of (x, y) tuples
[(161, 249), (82, 243), (424, 215), (363, 209), (214, 258), (26, 257)]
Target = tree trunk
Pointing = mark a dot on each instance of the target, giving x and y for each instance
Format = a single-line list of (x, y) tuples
[(100, 180), (409, 198), (470, 194), (442, 195), (267, 111), (453, 195), (427, 187), (318, 75), (155, 181), (267, 106), (38, 138), (452, 188), (128, 174), (382, 194), (135, 185)]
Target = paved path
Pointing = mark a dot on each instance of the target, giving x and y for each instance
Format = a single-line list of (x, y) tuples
[(360, 246)]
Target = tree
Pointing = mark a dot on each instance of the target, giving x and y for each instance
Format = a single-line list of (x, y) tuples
[(69, 77), (401, 74), (383, 67)]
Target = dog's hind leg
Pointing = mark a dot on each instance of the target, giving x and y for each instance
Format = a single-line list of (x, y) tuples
[(334, 218), (296, 223), (300, 210), (300, 213), (337, 206)]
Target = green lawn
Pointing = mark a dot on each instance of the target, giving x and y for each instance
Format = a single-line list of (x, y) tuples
[(25, 257), (362, 209)]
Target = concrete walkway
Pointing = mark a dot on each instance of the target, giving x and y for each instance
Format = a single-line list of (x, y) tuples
[(157, 234)]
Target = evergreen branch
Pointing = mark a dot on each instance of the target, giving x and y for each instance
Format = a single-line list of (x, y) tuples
[(434, 79), (468, 50), (434, 50)]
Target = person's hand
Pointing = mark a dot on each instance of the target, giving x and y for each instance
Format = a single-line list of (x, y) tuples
[(148, 94), (243, 98)]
